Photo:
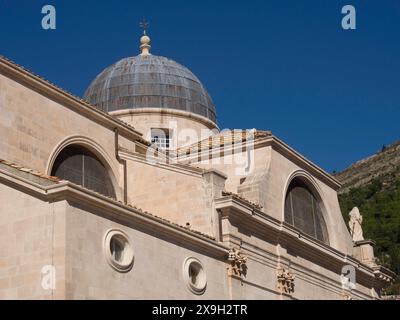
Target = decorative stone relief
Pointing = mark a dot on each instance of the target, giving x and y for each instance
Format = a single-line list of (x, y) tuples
[(347, 296), (238, 262), (384, 278), (285, 281)]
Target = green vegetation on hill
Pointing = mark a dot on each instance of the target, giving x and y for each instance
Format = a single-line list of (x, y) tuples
[(379, 203)]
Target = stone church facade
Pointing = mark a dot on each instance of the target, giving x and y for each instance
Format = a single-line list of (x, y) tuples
[(134, 193)]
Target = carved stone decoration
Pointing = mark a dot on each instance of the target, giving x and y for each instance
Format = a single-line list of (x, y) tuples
[(238, 262), (355, 223), (285, 281), (347, 296)]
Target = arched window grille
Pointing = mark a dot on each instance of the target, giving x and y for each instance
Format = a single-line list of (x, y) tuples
[(80, 166), (303, 211)]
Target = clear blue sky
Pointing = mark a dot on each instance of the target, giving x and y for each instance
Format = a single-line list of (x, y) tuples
[(285, 66)]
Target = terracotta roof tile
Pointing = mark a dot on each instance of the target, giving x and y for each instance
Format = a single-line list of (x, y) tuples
[(32, 172), (161, 219), (234, 195), (224, 138)]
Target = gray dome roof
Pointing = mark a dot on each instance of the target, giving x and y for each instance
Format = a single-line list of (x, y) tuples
[(148, 81)]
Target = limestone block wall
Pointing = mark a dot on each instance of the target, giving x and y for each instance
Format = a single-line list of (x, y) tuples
[(180, 196), (32, 236), (33, 126), (238, 179), (267, 182), (156, 272), (260, 280), (281, 171), (69, 234), (315, 278), (259, 283)]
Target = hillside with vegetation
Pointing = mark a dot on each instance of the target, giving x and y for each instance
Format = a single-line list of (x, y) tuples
[(373, 185)]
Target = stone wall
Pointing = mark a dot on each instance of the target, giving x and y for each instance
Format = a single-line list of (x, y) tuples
[(157, 270), (266, 185), (179, 195), (316, 271), (32, 236), (68, 232), (33, 126), (27, 119)]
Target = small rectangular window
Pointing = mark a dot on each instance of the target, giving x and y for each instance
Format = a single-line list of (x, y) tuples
[(161, 138)]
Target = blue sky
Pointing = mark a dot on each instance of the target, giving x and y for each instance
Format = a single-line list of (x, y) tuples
[(285, 66)]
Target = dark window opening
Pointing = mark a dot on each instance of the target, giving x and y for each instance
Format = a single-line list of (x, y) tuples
[(303, 211), (82, 167)]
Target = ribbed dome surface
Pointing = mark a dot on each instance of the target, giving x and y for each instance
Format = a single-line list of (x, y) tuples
[(149, 82)]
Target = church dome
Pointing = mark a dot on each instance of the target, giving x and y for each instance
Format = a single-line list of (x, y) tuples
[(149, 81)]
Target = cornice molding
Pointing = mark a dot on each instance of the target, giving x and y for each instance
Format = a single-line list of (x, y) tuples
[(231, 208), (271, 141), (65, 190), (166, 111)]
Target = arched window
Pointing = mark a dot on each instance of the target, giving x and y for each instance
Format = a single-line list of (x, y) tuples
[(303, 211), (80, 166)]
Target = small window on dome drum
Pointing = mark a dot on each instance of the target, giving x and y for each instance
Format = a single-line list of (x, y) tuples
[(161, 138), (80, 166), (303, 211)]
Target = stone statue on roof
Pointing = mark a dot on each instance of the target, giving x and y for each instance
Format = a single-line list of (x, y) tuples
[(355, 223)]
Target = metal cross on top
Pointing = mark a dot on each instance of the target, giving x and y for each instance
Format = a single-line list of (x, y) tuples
[(145, 25)]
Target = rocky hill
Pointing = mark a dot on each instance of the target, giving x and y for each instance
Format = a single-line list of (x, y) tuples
[(373, 185), (382, 164)]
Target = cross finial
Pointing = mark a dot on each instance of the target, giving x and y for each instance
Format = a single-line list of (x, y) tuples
[(145, 25), (145, 39)]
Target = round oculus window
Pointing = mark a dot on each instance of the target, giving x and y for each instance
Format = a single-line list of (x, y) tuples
[(118, 250), (194, 275)]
